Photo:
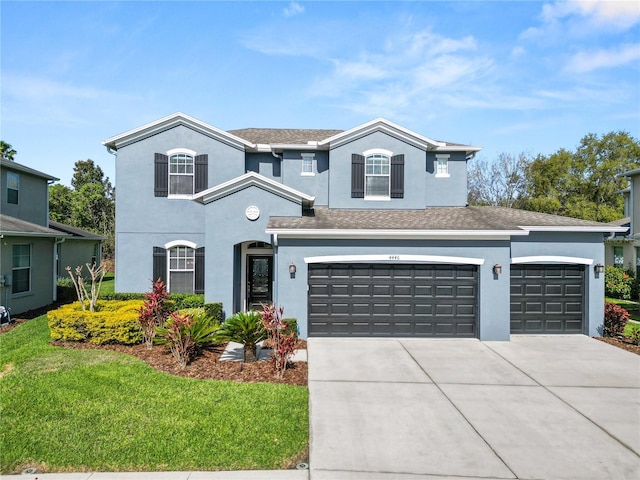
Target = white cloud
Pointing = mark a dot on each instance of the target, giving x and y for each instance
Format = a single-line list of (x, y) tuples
[(611, 13), (588, 61), (293, 9)]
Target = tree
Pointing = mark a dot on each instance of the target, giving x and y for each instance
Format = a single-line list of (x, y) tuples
[(499, 183), (90, 204), (7, 151), (583, 184)]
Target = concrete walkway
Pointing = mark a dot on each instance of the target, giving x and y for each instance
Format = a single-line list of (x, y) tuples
[(562, 407)]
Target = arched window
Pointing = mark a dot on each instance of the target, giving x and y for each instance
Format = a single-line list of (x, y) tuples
[(377, 176), (180, 174), (182, 263)]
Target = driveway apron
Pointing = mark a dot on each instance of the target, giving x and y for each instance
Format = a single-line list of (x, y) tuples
[(537, 407)]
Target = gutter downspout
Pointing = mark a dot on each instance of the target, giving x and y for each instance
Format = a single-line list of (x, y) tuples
[(57, 242)]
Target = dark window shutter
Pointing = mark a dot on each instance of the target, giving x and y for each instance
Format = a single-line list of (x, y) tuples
[(159, 264), (202, 173), (161, 175), (199, 284), (357, 176), (397, 176)]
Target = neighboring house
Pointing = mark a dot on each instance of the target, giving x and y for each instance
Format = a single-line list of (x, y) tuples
[(79, 248), (364, 232), (29, 243), (623, 249)]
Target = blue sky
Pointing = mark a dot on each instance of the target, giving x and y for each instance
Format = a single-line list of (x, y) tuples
[(512, 77)]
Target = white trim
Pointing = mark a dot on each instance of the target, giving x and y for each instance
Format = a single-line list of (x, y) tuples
[(584, 229), (399, 234), (442, 175), (179, 196), (552, 259), (180, 243), (252, 179), (395, 258), (377, 151), (181, 150)]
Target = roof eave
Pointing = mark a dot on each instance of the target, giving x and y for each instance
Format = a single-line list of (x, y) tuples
[(396, 234)]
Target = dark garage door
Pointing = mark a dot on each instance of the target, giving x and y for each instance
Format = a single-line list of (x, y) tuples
[(547, 298), (384, 300)]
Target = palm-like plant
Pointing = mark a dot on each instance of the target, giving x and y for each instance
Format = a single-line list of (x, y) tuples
[(245, 328), (6, 151)]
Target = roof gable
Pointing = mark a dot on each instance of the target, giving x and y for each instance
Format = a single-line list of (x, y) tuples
[(253, 179), (395, 130), (172, 121)]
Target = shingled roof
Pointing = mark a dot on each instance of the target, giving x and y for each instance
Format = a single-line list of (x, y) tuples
[(480, 219), (15, 227), (283, 136)]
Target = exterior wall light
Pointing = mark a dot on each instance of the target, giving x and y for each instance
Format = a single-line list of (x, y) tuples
[(292, 270), (598, 268), (497, 269)]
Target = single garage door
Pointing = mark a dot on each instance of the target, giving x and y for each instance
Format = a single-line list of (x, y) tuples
[(547, 298), (385, 300)]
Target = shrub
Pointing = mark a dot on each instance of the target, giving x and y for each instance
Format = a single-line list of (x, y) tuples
[(179, 301), (153, 312), (292, 326), (281, 337), (114, 322), (122, 296), (65, 291), (615, 319), (214, 310), (618, 283), (245, 328), (184, 334)]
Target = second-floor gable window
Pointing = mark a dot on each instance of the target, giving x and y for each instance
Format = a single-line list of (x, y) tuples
[(442, 165), (13, 187), (307, 164), (180, 173), (377, 175)]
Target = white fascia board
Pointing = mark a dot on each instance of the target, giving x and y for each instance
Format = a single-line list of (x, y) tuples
[(384, 125), (552, 259), (397, 234), (629, 173), (252, 179), (395, 258), (585, 229), (458, 148), (171, 121), (53, 234)]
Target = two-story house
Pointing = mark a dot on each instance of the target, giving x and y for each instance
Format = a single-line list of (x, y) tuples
[(364, 232), (33, 249), (623, 249)]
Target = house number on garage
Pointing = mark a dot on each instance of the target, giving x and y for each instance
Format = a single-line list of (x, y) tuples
[(394, 257)]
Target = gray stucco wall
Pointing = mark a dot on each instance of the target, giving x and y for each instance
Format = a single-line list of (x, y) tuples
[(448, 191), (493, 308), (73, 252), (33, 198), (226, 226), (42, 276), (317, 184)]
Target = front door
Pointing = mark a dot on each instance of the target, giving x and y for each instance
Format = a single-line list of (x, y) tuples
[(259, 281)]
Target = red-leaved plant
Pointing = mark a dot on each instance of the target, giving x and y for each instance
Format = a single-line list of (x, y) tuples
[(283, 343), (615, 319), (176, 335), (153, 312)]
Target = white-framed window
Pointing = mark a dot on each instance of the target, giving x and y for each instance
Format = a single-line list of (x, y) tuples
[(21, 272), (307, 164), (618, 256), (182, 266), (13, 187), (181, 173), (442, 165), (377, 176)]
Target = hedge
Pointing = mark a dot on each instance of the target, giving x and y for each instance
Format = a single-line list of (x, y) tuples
[(115, 322)]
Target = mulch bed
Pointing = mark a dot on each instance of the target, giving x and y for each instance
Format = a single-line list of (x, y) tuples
[(207, 365), (621, 342)]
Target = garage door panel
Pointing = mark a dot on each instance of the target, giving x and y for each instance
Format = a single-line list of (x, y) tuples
[(547, 298), (389, 299)]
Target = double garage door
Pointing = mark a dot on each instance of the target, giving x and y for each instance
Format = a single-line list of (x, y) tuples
[(386, 300)]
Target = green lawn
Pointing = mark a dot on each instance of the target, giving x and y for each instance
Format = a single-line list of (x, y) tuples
[(108, 284), (65, 410), (632, 307)]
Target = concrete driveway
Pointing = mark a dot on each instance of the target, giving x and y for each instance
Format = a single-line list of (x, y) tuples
[(537, 407)]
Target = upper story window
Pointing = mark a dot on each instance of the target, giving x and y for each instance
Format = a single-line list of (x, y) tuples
[(442, 165), (180, 173), (21, 272), (307, 164), (377, 176), (13, 187)]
